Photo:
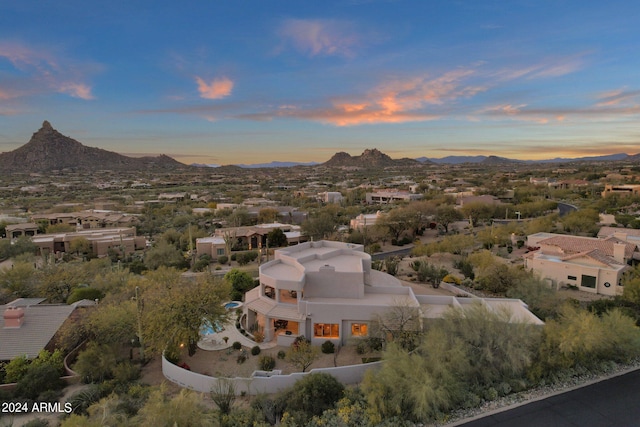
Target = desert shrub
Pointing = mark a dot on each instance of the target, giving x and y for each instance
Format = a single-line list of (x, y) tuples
[(16, 369), (450, 278), (236, 345), (266, 363), (311, 396), (242, 357), (82, 400), (255, 350), (223, 259), (85, 293), (37, 422), (328, 347), (95, 363), (37, 380), (125, 372), (282, 354)]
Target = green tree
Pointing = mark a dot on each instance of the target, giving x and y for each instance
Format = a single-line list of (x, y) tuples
[(276, 238), (18, 281), (302, 354), (477, 212), (447, 214), (267, 215), (581, 221), (319, 227), (80, 245), (59, 280), (401, 323), (164, 254), (174, 313), (240, 282)]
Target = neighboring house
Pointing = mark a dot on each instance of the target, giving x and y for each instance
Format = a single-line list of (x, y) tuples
[(593, 265), (485, 198), (630, 235), (88, 219), (330, 197), (328, 291), (213, 246), (622, 190), (363, 221), (23, 229), (123, 240), (250, 237), (28, 326), (385, 197)]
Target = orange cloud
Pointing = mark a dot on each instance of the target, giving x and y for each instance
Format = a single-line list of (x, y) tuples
[(319, 37), (397, 101), (217, 89), (402, 101)]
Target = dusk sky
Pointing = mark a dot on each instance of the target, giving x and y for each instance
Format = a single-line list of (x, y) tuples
[(253, 81)]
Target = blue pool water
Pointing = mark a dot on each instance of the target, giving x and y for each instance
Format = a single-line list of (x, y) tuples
[(230, 305), (208, 329)]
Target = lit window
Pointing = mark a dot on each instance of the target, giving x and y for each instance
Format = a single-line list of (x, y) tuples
[(326, 330), (359, 329)]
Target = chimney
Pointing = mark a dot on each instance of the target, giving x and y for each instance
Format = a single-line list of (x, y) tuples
[(618, 252), (13, 317), (620, 235)]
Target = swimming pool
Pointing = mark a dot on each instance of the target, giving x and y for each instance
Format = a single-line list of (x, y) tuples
[(233, 304), (208, 329)]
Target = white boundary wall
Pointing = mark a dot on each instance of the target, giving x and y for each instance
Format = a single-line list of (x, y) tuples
[(352, 374)]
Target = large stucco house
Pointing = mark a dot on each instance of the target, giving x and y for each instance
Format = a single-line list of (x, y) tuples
[(328, 291), (592, 264)]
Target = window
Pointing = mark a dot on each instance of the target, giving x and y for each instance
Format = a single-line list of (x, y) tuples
[(572, 278), (359, 329), (326, 330), (588, 281), (220, 252)]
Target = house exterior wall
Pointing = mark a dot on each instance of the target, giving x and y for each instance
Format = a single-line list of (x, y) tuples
[(563, 272), (329, 283)]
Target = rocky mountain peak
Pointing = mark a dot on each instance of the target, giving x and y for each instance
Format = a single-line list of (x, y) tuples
[(49, 150)]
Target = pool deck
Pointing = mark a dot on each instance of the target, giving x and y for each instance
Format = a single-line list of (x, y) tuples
[(212, 342)]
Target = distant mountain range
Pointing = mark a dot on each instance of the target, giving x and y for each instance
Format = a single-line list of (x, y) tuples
[(374, 158), (481, 159), (49, 150)]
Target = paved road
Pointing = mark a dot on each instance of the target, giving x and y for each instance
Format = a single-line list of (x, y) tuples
[(613, 402)]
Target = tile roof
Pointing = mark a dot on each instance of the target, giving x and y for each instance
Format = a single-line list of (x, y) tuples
[(574, 244), (41, 322)]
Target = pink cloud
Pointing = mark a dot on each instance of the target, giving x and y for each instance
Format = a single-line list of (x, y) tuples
[(617, 97), (320, 37), (551, 67), (76, 90), (43, 71), (217, 89)]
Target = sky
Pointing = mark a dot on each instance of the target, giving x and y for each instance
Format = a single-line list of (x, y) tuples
[(255, 81)]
